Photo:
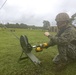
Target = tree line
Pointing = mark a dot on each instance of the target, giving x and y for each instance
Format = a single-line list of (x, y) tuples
[(46, 25), (22, 25)]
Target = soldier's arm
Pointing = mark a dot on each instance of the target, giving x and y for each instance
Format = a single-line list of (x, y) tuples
[(65, 39)]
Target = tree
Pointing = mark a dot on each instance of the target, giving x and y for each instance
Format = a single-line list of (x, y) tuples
[(46, 25), (1, 25), (73, 19)]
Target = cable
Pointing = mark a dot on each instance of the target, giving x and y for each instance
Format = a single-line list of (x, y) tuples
[(3, 4), (4, 25), (11, 32)]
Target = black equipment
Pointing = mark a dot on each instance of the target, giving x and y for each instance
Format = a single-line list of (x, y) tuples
[(27, 48)]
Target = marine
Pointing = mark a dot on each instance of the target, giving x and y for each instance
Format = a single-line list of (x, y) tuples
[(65, 39)]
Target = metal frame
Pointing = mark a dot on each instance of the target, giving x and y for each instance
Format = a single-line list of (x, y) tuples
[(27, 48)]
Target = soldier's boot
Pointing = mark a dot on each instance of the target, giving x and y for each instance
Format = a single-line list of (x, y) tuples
[(58, 64), (56, 59)]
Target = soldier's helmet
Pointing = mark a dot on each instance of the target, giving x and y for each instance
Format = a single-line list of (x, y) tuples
[(62, 17)]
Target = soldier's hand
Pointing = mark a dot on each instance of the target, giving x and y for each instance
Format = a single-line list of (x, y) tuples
[(47, 34)]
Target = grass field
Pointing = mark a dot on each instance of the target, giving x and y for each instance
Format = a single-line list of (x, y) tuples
[(10, 51)]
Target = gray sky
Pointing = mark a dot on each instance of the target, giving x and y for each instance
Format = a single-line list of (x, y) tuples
[(33, 12)]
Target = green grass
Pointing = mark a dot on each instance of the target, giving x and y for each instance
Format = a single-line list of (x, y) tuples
[(10, 51)]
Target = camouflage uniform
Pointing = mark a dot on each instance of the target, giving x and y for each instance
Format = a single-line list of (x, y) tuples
[(66, 43)]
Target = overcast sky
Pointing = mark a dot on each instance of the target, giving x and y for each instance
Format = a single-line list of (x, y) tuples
[(33, 12)]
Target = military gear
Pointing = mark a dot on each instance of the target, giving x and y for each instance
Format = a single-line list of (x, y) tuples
[(40, 47), (56, 59), (62, 17), (45, 45), (27, 48), (25, 44), (65, 41)]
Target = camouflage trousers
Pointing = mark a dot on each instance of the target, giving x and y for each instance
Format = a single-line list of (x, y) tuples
[(65, 54)]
